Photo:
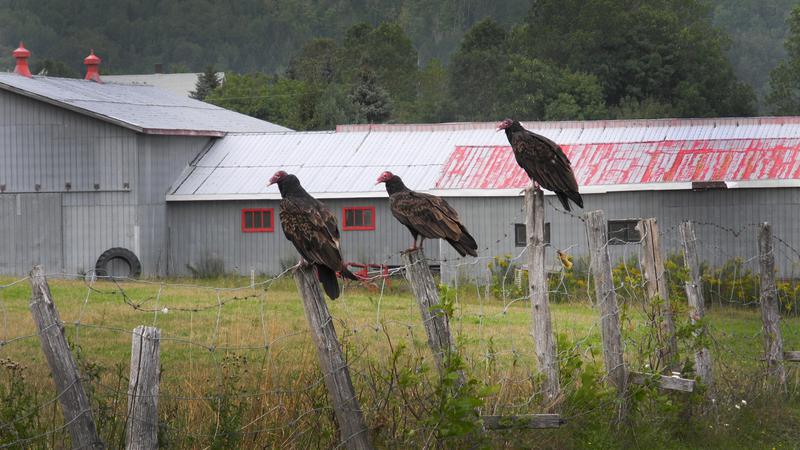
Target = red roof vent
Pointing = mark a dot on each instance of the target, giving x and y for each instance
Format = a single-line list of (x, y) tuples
[(92, 63), (22, 54)]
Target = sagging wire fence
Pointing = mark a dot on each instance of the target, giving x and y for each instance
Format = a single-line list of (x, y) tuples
[(238, 368)]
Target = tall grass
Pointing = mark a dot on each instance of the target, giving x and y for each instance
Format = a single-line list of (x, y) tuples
[(239, 371)]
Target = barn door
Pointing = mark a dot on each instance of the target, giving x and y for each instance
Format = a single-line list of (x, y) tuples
[(31, 226)]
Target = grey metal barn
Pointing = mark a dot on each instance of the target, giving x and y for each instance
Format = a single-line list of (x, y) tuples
[(86, 167), (730, 172)]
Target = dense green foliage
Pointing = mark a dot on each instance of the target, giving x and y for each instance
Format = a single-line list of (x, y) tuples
[(619, 59), (784, 96), (310, 64), (757, 30)]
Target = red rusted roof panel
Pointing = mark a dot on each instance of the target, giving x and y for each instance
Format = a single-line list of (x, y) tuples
[(494, 167)]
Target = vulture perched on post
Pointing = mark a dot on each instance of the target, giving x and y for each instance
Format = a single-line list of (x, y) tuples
[(427, 216), (543, 161), (313, 230)]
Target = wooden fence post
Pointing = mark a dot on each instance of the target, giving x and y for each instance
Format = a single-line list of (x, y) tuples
[(74, 403), (597, 232), (352, 428), (542, 327), (141, 429), (694, 294), (773, 342), (437, 325), (656, 283)]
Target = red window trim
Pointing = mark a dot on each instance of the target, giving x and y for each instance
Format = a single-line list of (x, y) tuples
[(269, 229), (345, 227)]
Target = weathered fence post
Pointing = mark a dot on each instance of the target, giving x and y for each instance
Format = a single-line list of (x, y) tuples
[(694, 294), (657, 289), (542, 327), (437, 325), (74, 403), (141, 429), (773, 342), (597, 232), (352, 428)]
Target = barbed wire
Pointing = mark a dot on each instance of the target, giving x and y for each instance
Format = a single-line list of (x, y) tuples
[(486, 297)]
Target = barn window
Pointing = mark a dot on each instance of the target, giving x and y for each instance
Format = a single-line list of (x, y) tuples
[(258, 220), (622, 231), (355, 218), (520, 238)]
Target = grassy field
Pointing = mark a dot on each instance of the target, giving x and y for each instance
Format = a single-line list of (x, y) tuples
[(239, 370)]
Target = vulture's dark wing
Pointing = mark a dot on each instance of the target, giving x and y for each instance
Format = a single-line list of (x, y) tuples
[(312, 230), (330, 220), (544, 161), (431, 216)]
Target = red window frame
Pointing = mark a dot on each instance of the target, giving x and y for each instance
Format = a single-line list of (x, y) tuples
[(254, 229), (369, 227)]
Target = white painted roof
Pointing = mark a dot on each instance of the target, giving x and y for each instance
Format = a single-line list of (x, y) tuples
[(345, 163), (145, 109)]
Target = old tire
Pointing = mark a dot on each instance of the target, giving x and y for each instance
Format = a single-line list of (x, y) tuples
[(113, 262)]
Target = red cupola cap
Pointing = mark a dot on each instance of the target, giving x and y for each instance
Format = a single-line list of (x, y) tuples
[(21, 54), (92, 63)]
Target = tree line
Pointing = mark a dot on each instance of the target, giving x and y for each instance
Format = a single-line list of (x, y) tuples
[(564, 60), (310, 64)]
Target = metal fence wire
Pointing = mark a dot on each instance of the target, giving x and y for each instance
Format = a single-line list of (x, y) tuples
[(238, 366)]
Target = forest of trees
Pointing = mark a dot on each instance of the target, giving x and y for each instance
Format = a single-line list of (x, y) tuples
[(310, 64)]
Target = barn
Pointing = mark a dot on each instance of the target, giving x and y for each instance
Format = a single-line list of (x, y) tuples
[(85, 166), (123, 177), (729, 172)]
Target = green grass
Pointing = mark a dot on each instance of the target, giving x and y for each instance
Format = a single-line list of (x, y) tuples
[(239, 368)]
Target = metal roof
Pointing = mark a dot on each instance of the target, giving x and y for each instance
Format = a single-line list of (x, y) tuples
[(145, 109), (177, 83), (471, 159)]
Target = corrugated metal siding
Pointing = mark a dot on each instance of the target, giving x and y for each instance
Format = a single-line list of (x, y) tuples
[(213, 228), (49, 146), (95, 222), (201, 230), (161, 160), (30, 232), (727, 226)]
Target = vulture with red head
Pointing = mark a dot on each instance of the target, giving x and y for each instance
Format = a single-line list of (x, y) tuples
[(313, 230), (544, 161), (427, 216)]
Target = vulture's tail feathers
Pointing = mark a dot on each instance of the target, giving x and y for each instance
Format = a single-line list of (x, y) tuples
[(565, 197), (564, 200), (329, 282), (576, 197), (466, 245)]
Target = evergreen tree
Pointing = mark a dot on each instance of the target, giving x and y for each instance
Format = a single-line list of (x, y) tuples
[(206, 82), (371, 100)]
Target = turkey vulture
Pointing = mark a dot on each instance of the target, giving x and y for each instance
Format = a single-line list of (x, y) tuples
[(312, 228), (427, 216), (543, 161)]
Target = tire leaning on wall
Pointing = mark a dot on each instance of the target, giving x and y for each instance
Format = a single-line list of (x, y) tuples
[(101, 267)]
